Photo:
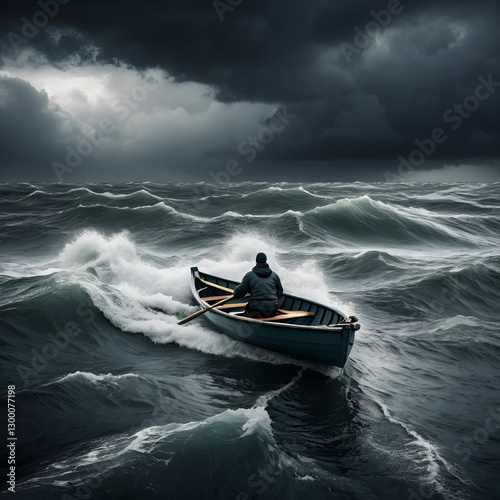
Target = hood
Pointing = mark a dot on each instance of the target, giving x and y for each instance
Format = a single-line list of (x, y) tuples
[(262, 269)]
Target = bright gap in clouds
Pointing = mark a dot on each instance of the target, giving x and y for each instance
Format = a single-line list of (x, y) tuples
[(156, 120), (94, 89), (87, 88)]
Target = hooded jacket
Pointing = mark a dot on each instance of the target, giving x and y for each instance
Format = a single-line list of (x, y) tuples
[(263, 284)]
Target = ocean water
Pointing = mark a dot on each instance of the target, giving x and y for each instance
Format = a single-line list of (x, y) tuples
[(114, 400)]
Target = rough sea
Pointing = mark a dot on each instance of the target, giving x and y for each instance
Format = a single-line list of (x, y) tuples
[(113, 400)]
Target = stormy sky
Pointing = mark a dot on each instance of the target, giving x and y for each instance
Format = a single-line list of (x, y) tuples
[(203, 90)]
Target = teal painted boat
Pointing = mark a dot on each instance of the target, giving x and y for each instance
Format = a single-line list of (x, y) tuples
[(301, 328)]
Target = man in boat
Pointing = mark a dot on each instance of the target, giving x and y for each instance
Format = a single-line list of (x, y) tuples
[(265, 289)]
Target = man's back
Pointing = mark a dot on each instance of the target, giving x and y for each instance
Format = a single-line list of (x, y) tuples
[(265, 288)]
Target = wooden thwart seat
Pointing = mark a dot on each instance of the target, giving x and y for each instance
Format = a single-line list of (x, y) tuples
[(284, 314), (232, 306), (288, 315), (214, 298)]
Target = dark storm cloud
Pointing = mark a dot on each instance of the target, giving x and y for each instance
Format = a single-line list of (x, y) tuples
[(356, 97), (32, 131)]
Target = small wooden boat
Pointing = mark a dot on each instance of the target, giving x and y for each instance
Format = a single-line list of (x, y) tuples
[(302, 328)]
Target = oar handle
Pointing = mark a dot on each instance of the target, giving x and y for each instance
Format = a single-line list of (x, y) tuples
[(203, 311)]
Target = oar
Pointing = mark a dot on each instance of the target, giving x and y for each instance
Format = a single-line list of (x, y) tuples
[(203, 311)]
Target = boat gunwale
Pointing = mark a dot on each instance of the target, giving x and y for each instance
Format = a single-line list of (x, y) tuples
[(336, 328)]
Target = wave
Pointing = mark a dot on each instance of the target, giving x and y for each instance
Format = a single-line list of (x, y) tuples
[(161, 444), (424, 456), (105, 194), (367, 221), (283, 191), (95, 379), (470, 290), (137, 297), (262, 200), (184, 216), (164, 398), (456, 338), (63, 200), (135, 194), (147, 209), (210, 446)]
